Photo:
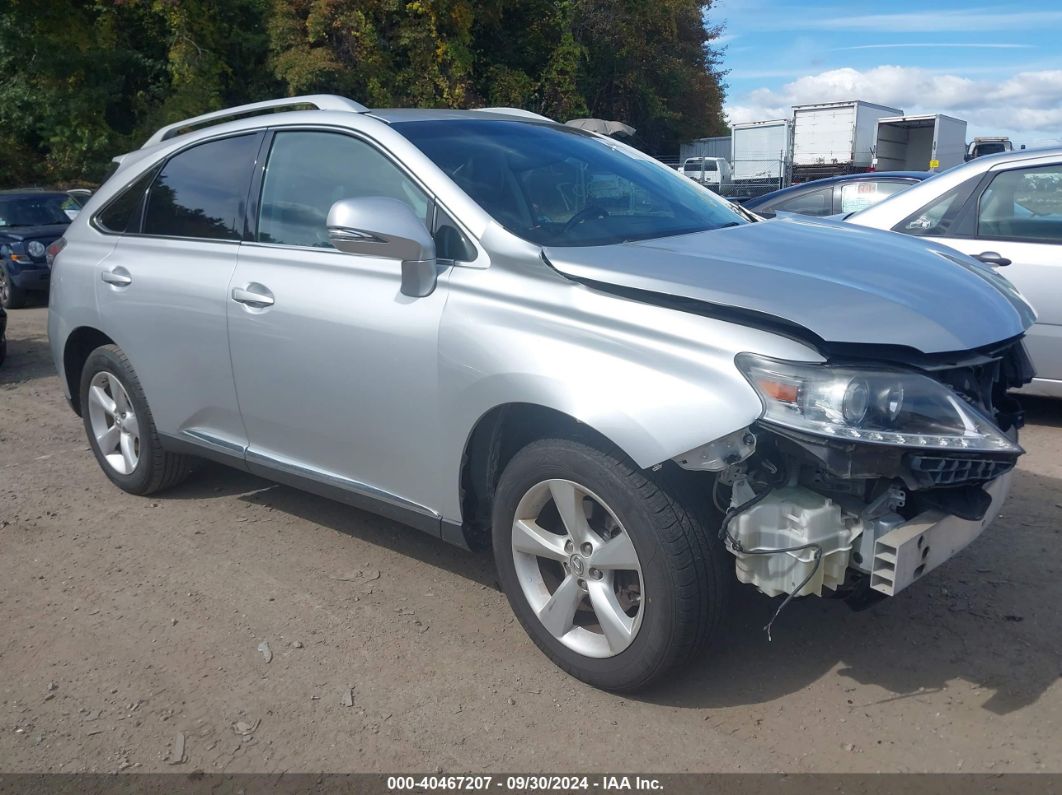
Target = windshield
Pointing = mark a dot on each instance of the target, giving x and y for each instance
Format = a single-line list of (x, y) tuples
[(558, 186), (32, 210)]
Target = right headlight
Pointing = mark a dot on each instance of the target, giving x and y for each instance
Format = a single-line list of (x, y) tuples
[(894, 408)]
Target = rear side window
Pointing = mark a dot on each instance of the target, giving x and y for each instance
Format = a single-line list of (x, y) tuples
[(122, 213), (935, 218), (815, 202), (856, 196), (201, 192)]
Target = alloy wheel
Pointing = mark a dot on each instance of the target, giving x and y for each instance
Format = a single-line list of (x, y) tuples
[(114, 423), (578, 568)]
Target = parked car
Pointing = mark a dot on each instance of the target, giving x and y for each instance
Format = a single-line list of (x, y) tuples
[(988, 145), (712, 172), (30, 221), (511, 333), (833, 195), (78, 197), (1005, 210)]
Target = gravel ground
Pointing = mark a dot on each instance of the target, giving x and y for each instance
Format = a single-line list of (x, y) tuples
[(132, 626)]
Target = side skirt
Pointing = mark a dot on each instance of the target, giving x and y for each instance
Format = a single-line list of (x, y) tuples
[(339, 489)]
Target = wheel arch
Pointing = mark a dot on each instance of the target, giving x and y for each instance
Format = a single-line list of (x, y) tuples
[(80, 343), (495, 438)]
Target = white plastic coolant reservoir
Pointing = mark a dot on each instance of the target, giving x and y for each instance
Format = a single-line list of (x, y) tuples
[(791, 517)]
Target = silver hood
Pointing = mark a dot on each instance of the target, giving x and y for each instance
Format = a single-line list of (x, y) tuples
[(843, 283)]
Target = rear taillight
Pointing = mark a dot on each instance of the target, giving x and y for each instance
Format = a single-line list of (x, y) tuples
[(53, 250)]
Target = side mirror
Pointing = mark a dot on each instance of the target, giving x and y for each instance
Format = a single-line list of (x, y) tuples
[(376, 226)]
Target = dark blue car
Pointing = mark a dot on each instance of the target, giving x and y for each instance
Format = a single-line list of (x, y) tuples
[(848, 193), (29, 222)]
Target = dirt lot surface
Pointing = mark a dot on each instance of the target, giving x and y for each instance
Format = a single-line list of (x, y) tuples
[(126, 622)]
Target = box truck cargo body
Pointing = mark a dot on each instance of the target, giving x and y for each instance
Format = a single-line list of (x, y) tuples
[(832, 138), (717, 146), (919, 143), (761, 150)]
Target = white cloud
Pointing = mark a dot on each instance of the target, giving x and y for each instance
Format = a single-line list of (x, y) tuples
[(1029, 103)]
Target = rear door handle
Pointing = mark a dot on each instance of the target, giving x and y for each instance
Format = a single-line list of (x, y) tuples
[(253, 294), (993, 259), (119, 277)]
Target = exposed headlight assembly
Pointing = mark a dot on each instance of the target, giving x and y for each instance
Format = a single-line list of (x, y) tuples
[(875, 406), (35, 248)]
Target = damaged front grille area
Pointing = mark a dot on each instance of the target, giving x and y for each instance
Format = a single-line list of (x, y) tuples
[(944, 470), (827, 495)]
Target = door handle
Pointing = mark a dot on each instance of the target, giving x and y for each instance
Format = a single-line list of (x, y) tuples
[(245, 295), (993, 259), (119, 277)]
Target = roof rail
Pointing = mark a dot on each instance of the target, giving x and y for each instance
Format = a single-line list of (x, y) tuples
[(527, 114), (319, 101)]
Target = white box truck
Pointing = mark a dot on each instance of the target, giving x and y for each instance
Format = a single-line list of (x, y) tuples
[(832, 138), (931, 142), (760, 150)]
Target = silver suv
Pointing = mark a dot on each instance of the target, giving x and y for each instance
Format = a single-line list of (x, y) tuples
[(510, 333)]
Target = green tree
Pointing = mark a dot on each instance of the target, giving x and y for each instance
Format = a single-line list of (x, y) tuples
[(651, 64), (88, 79), (382, 53), (85, 80)]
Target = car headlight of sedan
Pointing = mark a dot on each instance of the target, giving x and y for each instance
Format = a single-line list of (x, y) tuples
[(35, 249), (894, 408)]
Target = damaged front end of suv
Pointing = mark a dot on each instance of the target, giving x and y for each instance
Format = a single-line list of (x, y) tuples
[(890, 448), (861, 476)]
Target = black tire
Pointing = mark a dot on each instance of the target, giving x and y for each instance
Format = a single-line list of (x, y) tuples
[(156, 468), (684, 582), (11, 297)]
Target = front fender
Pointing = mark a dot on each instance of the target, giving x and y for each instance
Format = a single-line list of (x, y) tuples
[(655, 381)]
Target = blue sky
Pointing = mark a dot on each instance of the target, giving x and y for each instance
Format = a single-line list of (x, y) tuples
[(998, 65)]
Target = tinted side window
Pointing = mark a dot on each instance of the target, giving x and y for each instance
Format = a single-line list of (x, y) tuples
[(1024, 204), (122, 213), (816, 202), (201, 191), (308, 172)]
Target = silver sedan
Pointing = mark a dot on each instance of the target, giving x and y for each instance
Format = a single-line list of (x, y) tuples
[(1005, 210)]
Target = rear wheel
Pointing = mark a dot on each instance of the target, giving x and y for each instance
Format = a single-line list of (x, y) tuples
[(608, 572), (121, 429)]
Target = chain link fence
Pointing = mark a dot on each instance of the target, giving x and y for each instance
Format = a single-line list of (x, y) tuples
[(748, 178)]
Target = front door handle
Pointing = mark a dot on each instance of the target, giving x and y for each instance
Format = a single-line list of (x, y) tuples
[(253, 295), (993, 259), (119, 277)]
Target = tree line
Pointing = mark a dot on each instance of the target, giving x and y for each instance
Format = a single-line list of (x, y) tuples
[(84, 80)]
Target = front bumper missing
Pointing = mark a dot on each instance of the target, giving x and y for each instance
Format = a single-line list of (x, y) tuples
[(916, 547)]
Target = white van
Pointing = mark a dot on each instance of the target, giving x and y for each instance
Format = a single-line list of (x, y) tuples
[(712, 172)]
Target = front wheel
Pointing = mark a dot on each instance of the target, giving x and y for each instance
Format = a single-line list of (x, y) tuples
[(607, 571), (11, 295)]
